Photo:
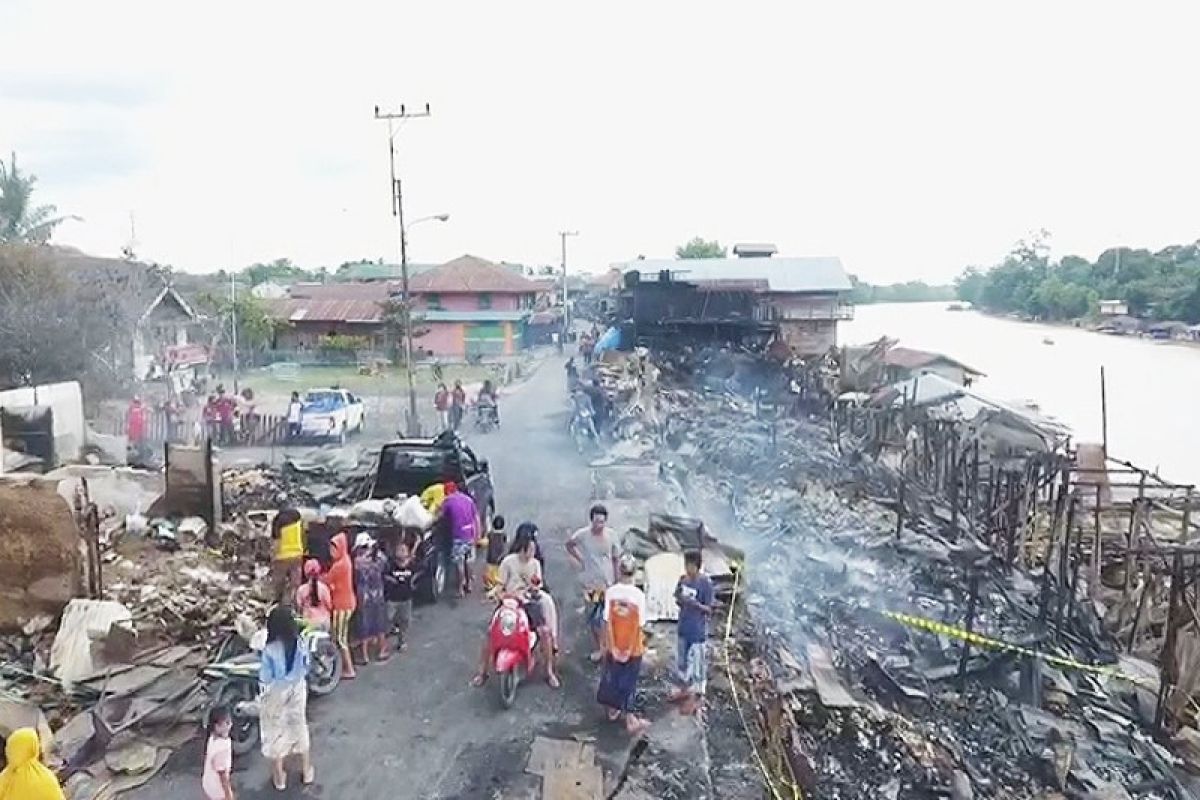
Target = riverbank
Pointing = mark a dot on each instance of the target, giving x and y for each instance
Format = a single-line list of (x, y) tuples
[(1150, 388)]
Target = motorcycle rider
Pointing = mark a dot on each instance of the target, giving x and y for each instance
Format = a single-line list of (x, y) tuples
[(584, 412), (521, 577), (488, 402)]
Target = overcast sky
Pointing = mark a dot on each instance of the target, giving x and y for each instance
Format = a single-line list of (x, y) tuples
[(911, 139)]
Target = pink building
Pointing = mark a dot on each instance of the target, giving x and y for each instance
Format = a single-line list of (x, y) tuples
[(465, 308)]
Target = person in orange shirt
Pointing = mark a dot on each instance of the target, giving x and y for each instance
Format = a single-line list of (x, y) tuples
[(624, 644), (340, 578)]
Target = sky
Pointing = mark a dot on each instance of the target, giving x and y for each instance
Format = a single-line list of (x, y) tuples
[(910, 139)]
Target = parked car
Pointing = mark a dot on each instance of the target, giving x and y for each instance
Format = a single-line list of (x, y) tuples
[(407, 467), (331, 414)]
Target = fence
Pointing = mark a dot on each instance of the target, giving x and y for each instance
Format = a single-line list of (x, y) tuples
[(1100, 530), (259, 430)]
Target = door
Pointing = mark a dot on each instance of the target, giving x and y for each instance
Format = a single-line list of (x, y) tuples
[(484, 339)]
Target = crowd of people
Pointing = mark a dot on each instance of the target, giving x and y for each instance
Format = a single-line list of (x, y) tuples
[(451, 404), (363, 595)]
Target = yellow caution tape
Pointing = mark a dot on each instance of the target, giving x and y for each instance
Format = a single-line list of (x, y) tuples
[(971, 637), (796, 794)]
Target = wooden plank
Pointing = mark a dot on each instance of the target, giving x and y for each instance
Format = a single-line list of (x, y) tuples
[(830, 688), (548, 754), (580, 782)]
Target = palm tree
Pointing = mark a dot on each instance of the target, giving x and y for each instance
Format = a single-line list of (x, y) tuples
[(19, 221)]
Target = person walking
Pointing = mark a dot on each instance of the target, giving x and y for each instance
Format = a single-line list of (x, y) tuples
[(295, 413), (441, 402), (694, 594), (25, 777), (372, 620), (218, 757), (595, 553), (340, 578), (398, 590), (458, 405), (283, 705), (137, 420), (624, 644), (462, 517)]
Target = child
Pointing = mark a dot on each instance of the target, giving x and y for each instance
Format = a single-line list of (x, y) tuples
[(218, 757), (694, 594), (497, 548), (313, 600), (397, 588)]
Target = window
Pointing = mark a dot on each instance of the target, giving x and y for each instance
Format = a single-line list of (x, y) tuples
[(485, 301), (433, 302)]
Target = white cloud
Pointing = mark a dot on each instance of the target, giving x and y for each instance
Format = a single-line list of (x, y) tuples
[(911, 139)]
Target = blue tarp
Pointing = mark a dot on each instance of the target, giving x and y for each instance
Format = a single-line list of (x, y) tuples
[(611, 340)]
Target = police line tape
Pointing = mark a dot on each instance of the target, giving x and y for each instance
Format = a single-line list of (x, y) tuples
[(971, 637)]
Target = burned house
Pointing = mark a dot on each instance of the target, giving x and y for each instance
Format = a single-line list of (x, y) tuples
[(753, 296)]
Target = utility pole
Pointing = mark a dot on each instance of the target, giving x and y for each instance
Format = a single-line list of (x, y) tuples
[(566, 308), (413, 427), (233, 326)]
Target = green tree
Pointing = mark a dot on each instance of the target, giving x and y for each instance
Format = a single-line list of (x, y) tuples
[(281, 270), (700, 248), (20, 221)]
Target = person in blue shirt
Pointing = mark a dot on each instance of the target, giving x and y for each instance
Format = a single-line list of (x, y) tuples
[(283, 714), (695, 597)]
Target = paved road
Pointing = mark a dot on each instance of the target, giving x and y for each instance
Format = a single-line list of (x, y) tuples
[(414, 728)]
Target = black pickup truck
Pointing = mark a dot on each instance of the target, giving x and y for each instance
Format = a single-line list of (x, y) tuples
[(408, 467)]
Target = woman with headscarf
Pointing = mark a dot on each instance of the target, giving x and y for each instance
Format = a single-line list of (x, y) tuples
[(283, 714), (372, 622), (26, 777), (340, 578)]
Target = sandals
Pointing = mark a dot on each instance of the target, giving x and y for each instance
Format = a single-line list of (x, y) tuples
[(479, 680), (554, 682)]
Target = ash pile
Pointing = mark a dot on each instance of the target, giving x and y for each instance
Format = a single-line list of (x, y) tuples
[(116, 601), (861, 681)]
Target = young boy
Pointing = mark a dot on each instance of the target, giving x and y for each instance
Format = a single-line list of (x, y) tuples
[(497, 547), (398, 590), (694, 594)]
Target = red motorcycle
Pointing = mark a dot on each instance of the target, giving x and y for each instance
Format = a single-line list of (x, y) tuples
[(513, 645)]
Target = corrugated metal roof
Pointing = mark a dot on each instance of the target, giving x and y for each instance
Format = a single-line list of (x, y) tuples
[(304, 310), (473, 316), (471, 274), (783, 274), (911, 358)]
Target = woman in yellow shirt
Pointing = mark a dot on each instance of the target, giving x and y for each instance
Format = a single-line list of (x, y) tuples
[(287, 530)]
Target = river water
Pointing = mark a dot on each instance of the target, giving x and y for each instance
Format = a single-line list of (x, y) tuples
[(1152, 386)]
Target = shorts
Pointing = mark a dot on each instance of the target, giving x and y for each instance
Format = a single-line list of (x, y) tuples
[(461, 551), (339, 628), (594, 610), (691, 666), (533, 610), (400, 613)]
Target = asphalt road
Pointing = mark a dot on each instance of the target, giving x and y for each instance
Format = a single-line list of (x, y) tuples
[(414, 728)]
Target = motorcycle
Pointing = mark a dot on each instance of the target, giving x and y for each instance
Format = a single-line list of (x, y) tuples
[(232, 679), (485, 417), (233, 683), (583, 431), (514, 647)]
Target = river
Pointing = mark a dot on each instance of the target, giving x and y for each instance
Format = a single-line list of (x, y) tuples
[(1152, 386)]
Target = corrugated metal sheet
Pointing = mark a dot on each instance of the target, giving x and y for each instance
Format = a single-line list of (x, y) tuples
[(362, 311), (782, 274)]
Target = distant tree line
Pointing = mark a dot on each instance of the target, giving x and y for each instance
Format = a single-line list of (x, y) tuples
[(1163, 285), (862, 293)]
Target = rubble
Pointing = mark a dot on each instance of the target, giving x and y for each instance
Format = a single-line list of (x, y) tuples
[(116, 677), (871, 708)]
